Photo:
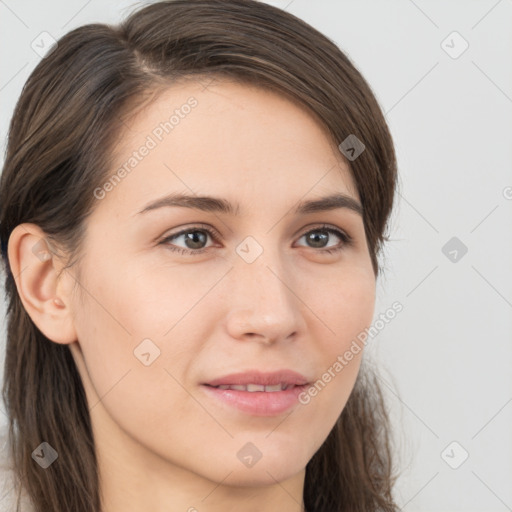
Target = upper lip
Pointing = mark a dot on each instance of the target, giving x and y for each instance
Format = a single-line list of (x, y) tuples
[(288, 377)]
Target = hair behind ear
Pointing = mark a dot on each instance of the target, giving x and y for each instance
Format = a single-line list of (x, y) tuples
[(37, 417)]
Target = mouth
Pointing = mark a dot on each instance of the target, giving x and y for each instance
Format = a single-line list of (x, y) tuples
[(252, 388), (253, 378), (258, 393)]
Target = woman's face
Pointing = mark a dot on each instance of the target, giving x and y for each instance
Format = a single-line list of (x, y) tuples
[(177, 298)]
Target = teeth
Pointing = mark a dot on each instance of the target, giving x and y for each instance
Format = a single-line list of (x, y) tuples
[(255, 387), (276, 387), (251, 388)]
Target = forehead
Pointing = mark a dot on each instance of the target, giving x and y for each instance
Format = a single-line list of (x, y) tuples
[(229, 139)]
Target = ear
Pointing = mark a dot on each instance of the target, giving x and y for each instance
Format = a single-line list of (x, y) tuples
[(45, 296)]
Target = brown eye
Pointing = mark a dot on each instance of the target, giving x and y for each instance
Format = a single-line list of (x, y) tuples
[(318, 238), (194, 239)]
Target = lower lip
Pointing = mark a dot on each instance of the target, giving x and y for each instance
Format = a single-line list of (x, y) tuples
[(258, 403)]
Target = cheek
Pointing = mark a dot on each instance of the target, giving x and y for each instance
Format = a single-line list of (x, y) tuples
[(128, 363), (137, 314), (344, 305), (347, 308), (130, 302)]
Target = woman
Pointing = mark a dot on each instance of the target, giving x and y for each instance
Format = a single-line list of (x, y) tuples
[(192, 208)]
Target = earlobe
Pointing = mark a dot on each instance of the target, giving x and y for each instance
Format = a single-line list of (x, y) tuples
[(42, 291)]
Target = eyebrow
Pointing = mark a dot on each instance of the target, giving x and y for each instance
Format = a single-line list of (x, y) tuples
[(219, 205)]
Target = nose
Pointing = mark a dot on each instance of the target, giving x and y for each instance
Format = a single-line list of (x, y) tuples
[(263, 304)]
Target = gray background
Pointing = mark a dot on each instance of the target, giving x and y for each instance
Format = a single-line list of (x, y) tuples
[(446, 358)]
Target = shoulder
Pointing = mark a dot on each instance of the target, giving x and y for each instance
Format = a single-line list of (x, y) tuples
[(8, 482)]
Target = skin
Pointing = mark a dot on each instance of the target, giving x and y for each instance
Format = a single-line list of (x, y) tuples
[(162, 443)]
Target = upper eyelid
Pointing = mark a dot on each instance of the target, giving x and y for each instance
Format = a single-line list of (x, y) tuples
[(197, 227)]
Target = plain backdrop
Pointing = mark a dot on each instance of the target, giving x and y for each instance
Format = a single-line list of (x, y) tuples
[(442, 72)]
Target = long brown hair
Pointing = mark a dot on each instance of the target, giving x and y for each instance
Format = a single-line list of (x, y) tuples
[(60, 141)]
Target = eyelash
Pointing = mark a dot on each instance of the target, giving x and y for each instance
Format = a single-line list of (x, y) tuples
[(346, 239)]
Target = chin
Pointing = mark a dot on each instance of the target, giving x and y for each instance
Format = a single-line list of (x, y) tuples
[(259, 476)]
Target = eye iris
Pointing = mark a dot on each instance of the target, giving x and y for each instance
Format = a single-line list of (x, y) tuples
[(193, 237), (314, 237)]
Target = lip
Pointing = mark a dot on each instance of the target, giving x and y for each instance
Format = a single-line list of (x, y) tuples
[(262, 378), (258, 403)]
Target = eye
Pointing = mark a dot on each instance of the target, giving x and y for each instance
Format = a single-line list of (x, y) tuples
[(320, 235), (196, 236)]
